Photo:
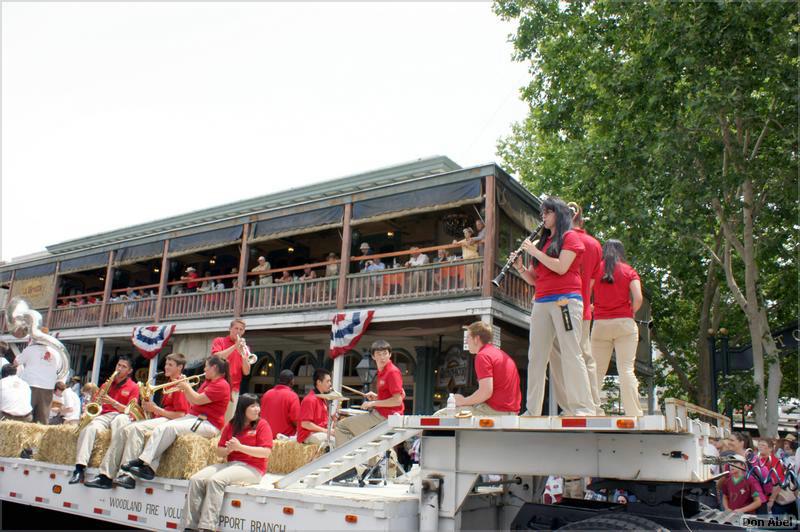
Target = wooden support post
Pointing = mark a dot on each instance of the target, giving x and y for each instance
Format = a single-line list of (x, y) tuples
[(238, 298), (107, 288), (162, 283), (344, 265), (490, 237), (53, 299), (98, 360)]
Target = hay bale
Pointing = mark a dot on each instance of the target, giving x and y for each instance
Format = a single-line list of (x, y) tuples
[(187, 455), (59, 445), (18, 435), (288, 455)]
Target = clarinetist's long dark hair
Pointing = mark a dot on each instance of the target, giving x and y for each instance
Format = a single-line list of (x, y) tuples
[(563, 224), (239, 422), (613, 253)]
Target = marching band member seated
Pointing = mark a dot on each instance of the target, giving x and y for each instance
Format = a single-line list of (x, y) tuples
[(498, 392), (388, 400), (205, 418), (313, 426), (128, 443), (280, 406), (15, 396), (121, 392), (245, 443)]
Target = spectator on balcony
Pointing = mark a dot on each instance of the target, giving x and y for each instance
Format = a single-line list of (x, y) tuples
[(235, 283), (191, 284), (285, 277), (469, 250), (417, 258), (365, 250), (443, 255), (332, 270), (263, 266), (480, 233), (308, 274)]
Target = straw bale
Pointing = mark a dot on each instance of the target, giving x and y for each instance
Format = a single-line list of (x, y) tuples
[(60, 443), (288, 455), (18, 435), (188, 454)]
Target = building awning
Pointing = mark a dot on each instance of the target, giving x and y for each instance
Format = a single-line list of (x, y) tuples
[(316, 220), (426, 199), (89, 262), (35, 271), (140, 252), (5, 276), (517, 209), (201, 241)]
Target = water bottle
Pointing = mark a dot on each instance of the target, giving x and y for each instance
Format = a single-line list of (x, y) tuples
[(451, 405)]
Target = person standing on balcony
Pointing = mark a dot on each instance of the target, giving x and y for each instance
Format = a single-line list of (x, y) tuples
[(388, 400), (231, 348), (332, 270), (280, 406), (418, 281), (263, 266), (365, 250), (469, 250), (480, 234), (40, 371), (191, 284), (557, 310)]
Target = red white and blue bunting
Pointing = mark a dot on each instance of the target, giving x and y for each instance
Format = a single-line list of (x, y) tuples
[(347, 329), (151, 339)]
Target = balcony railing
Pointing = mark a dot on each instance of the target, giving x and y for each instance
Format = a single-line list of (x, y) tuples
[(461, 277), (199, 304), (311, 293), (138, 310), (514, 289), (76, 316)]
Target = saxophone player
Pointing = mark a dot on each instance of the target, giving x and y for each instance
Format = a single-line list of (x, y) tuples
[(233, 349), (120, 392), (127, 442)]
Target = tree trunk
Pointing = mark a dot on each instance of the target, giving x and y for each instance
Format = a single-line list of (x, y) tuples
[(704, 374)]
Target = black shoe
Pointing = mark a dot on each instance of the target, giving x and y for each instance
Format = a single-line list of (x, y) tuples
[(26, 453), (133, 463), (125, 481), (144, 472), (100, 481), (77, 477)]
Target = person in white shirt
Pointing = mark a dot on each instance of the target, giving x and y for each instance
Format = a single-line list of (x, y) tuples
[(418, 281), (41, 373), (3, 361), (70, 410), (417, 258), (15, 396)]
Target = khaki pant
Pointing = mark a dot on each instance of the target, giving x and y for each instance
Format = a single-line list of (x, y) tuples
[(41, 399), (165, 434), (231, 406), (620, 335), (547, 326), (319, 438), (557, 378), (207, 490), (89, 433), (481, 409), (127, 442), (350, 427)]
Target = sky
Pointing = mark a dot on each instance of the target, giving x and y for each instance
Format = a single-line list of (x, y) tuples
[(115, 114)]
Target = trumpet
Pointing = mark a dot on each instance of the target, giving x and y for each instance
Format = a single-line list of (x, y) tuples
[(170, 387), (94, 408), (497, 281), (251, 358), (146, 392)]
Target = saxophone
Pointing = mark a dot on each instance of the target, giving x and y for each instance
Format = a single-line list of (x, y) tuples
[(94, 408)]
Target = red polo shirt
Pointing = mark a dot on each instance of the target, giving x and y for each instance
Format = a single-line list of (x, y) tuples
[(191, 284), (280, 407), (234, 359), (312, 409), (260, 436), (390, 382), (175, 402), (495, 363), (590, 266), (219, 391), (548, 282), (613, 300), (125, 393)]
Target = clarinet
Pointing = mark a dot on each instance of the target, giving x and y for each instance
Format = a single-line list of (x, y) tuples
[(497, 281)]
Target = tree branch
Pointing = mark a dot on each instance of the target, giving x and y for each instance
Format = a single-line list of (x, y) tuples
[(673, 361), (731, 280), (726, 227), (760, 139)]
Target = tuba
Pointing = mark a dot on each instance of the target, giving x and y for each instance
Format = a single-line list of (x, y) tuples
[(23, 320), (94, 408)]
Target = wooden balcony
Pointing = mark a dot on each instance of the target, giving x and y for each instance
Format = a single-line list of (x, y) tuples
[(294, 295), (445, 279), (514, 289), (140, 310), (76, 316), (199, 304)]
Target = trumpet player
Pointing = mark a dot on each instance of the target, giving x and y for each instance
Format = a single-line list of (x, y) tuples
[(121, 391), (233, 349), (128, 441)]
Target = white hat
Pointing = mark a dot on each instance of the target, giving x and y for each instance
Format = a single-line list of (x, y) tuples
[(364, 245), (190, 269), (261, 258)]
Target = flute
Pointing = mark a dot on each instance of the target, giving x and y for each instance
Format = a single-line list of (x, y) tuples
[(497, 281)]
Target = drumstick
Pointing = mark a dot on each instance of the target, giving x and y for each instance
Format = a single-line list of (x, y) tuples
[(349, 389)]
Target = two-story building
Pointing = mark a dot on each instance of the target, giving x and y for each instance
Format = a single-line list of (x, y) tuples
[(316, 250)]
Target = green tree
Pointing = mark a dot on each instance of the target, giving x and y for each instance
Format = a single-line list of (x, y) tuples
[(674, 124)]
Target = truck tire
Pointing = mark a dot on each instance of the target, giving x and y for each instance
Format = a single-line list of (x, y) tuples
[(616, 521)]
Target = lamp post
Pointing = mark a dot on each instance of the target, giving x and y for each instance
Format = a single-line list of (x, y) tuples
[(367, 370)]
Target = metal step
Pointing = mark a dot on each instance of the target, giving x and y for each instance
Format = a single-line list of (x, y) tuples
[(359, 450)]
